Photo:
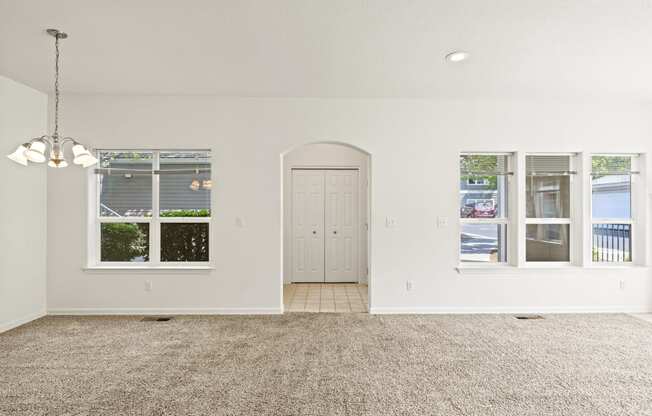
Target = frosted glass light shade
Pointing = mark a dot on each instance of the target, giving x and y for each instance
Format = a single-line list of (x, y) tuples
[(57, 159), (19, 155), (90, 161), (78, 149), (82, 156), (36, 152), (82, 159)]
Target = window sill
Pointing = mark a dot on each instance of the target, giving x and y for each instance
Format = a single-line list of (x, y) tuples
[(150, 270), (553, 268), (616, 266), (503, 269)]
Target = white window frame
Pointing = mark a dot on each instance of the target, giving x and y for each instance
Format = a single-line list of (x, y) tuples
[(635, 164), (570, 221), (95, 221), (505, 220)]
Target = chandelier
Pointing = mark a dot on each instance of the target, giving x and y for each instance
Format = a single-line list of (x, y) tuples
[(36, 150)]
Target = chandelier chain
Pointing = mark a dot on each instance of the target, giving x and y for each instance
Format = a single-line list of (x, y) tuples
[(56, 88)]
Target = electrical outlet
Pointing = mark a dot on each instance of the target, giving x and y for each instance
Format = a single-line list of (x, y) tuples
[(239, 222), (390, 222), (621, 285), (442, 222), (148, 285), (408, 285)]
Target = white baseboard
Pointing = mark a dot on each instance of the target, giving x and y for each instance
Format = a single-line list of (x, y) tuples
[(166, 311), (6, 326), (427, 310)]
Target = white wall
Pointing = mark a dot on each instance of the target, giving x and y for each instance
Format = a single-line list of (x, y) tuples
[(414, 146), (325, 155), (23, 115)]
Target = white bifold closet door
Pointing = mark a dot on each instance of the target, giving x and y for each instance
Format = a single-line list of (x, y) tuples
[(325, 223), (341, 225), (307, 226)]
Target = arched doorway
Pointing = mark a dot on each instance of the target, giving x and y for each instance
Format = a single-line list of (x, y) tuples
[(325, 232)]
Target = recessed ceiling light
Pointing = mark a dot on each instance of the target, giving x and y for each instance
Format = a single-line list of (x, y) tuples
[(457, 56)]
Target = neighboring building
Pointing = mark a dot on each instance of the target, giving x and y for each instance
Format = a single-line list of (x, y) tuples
[(611, 196), (126, 193), (479, 197)]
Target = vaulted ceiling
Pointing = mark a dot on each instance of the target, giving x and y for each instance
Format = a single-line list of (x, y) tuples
[(334, 48)]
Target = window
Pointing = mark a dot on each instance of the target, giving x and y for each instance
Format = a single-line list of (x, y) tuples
[(540, 217), (151, 208), (548, 208), (611, 208), (483, 208)]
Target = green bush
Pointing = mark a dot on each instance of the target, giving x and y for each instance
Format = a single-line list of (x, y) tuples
[(124, 241), (187, 213), (184, 241)]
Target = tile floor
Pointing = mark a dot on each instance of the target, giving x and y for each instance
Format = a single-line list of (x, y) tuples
[(325, 297)]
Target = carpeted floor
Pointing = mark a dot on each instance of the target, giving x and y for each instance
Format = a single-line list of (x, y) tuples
[(329, 364)]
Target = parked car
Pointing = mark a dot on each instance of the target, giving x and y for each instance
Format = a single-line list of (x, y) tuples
[(483, 209)]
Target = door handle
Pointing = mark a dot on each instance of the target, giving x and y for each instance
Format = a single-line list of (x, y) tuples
[(314, 232), (334, 232)]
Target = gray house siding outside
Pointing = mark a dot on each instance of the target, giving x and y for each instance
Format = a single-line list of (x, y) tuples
[(130, 194)]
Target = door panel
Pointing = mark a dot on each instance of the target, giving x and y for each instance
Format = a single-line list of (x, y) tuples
[(307, 225), (341, 225)]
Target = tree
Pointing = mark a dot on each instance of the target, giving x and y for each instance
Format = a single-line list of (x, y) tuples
[(480, 167), (124, 241), (605, 164)]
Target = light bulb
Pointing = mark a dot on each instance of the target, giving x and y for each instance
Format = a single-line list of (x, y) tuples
[(60, 163), (194, 185)]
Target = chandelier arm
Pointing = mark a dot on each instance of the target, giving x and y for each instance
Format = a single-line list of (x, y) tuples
[(45, 139), (68, 139)]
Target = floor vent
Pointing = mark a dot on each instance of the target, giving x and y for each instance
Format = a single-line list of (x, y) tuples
[(528, 317), (156, 319)]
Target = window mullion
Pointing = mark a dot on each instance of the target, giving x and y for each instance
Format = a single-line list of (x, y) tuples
[(155, 227), (96, 255)]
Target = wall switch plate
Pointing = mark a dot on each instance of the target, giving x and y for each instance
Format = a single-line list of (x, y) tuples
[(148, 285), (408, 285), (621, 285), (442, 222), (390, 222)]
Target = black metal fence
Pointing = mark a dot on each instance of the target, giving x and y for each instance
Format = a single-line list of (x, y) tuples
[(612, 242)]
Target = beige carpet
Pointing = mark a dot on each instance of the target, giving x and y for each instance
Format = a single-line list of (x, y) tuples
[(329, 364)]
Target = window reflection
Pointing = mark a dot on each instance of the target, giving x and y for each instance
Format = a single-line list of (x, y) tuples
[(548, 196), (547, 242)]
